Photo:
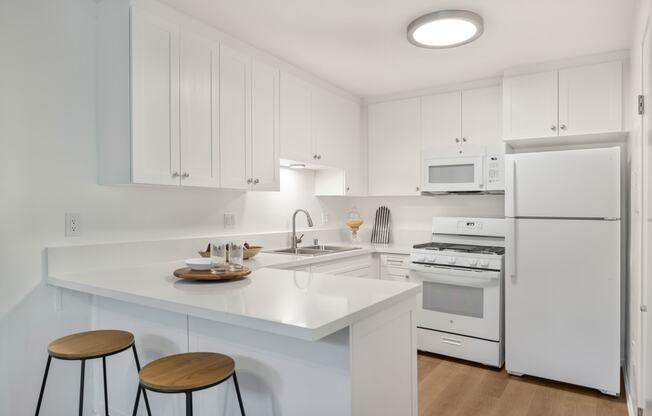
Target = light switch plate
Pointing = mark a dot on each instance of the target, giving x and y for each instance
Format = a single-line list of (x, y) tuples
[(229, 220), (324, 218), (73, 225)]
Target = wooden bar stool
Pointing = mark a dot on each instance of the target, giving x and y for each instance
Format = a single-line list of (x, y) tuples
[(186, 373), (87, 346)]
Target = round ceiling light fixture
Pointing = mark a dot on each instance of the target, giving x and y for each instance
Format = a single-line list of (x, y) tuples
[(445, 29)]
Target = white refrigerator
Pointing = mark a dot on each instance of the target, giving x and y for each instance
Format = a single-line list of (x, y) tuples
[(562, 289)]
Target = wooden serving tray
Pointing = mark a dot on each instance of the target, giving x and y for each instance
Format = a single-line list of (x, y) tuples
[(209, 276)]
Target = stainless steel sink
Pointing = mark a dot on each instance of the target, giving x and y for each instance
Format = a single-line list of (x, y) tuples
[(314, 250)]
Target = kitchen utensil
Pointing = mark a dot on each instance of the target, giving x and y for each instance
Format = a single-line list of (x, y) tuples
[(381, 231)]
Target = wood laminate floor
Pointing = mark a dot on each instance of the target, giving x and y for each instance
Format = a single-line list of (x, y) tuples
[(450, 387)]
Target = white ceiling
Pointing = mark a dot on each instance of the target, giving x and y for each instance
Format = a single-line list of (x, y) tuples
[(360, 45)]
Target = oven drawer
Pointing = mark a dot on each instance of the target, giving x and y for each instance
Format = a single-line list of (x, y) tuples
[(458, 346)]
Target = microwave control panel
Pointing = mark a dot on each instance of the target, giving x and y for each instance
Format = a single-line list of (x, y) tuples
[(495, 172)]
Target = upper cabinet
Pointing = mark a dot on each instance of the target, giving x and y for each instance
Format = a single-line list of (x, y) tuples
[(155, 101), (323, 130), (394, 147), (296, 132), (462, 118), (177, 106), (575, 101)]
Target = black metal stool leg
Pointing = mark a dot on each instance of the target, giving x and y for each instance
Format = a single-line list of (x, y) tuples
[(45, 378), (149, 412), (237, 390), (106, 395), (137, 400), (188, 403), (81, 388)]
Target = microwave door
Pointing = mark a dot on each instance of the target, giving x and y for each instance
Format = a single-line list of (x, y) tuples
[(461, 174)]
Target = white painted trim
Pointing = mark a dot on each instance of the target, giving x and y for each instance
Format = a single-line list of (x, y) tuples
[(631, 407), (468, 85), (620, 55)]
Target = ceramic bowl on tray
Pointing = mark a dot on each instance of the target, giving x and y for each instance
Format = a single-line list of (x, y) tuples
[(199, 263)]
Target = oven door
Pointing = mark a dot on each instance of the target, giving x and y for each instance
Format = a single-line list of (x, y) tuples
[(459, 301), (457, 174)]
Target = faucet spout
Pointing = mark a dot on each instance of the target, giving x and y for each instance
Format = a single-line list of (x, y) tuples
[(294, 239)]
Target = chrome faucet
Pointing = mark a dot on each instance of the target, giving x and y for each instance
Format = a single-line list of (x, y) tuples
[(294, 239)]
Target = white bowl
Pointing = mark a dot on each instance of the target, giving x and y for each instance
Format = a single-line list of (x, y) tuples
[(199, 263)]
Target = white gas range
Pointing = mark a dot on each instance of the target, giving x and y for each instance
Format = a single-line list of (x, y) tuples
[(461, 306)]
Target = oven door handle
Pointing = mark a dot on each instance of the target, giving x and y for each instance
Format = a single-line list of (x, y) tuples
[(456, 277)]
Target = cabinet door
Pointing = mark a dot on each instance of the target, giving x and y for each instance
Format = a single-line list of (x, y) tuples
[(530, 106), (155, 100), (481, 116), (590, 99), (355, 155), (264, 127), (441, 119), (199, 76), (235, 118), (394, 148), (328, 132), (295, 119)]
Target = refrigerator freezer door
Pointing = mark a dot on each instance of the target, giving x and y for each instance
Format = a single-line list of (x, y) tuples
[(562, 301), (564, 184)]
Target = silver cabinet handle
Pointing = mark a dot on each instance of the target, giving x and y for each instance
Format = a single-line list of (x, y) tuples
[(256, 181), (175, 174), (457, 140), (563, 127), (418, 189), (249, 181), (553, 127), (318, 156), (185, 175), (314, 156), (464, 139), (348, 189)]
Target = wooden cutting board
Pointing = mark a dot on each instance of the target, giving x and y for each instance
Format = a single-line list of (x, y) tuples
[(208, 276)]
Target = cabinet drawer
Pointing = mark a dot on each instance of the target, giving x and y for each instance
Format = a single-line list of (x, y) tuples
[(458, 346), (348, 263)]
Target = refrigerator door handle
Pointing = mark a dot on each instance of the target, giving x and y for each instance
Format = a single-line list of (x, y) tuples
[(510, 247), (510, 188)]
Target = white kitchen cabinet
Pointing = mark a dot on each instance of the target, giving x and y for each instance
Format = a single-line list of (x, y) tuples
[(590, 99), (530, 105), (199, 117), (295, 121), (462, 118), (441, 119), (394, 147), (235, 118), (178, 106), (265, 170), (582, 100), (155, 100), (481, 116), (356, 266)]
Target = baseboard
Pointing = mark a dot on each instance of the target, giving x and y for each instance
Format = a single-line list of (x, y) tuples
[(632, 408)]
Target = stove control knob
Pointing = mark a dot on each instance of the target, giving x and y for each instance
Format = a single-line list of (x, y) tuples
[(473, 262), (419, 258), (484, 263), (452, 260)]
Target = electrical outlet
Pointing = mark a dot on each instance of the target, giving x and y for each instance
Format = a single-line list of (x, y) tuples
[(324, 218), (229, 220), (73, 225)]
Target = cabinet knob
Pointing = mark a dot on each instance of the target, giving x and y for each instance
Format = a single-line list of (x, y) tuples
[(256, 181), (314, 156), (318, 156), (563, 127), (553, 127), (457, 140), (348, 189), (249, 181), (464, 139), (175, 174), (418, 189), (185, 175)]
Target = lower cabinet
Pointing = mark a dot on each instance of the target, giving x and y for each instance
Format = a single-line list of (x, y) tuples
[(357, 266), (395, 267)]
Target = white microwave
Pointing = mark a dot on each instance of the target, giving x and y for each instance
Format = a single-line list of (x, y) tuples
[(472, 171)]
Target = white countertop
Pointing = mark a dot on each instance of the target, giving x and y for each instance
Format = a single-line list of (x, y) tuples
[(292, 303)]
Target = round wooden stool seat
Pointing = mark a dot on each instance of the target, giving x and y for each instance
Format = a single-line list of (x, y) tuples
[(187, 372), (91, 344)]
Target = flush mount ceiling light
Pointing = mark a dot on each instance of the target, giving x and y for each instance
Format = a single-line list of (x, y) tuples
[(445, 29), (297, 166)]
